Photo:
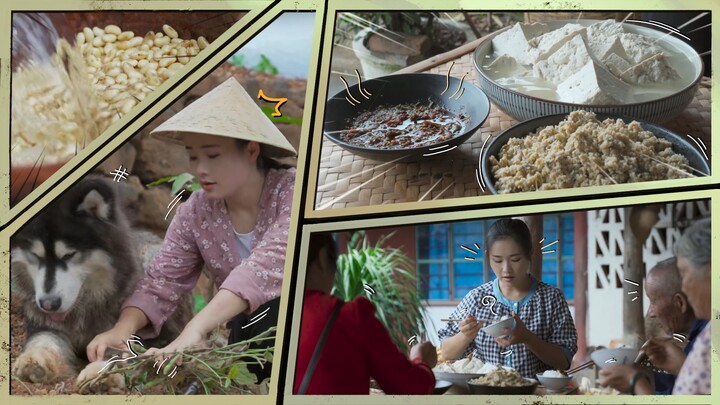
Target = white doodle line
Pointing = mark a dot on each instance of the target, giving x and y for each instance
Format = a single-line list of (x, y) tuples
[(257, 318), (114, 359)]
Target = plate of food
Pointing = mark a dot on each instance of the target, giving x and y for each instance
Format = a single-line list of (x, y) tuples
[(502, 381), (584, 149), (554, 67), (405, 115), (459, 371)]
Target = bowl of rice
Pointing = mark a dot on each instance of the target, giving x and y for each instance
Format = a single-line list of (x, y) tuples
[(496, 329), (553, 380), (585, 149)]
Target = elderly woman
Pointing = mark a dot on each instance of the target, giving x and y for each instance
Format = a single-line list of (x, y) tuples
[(693, 251)]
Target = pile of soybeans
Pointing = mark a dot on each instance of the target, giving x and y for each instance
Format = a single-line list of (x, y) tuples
[(60, 107)]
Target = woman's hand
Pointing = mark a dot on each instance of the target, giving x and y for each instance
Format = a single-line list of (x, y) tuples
[(520, 334), (665, 354), (115, 338), (469, 328), (189, 338)]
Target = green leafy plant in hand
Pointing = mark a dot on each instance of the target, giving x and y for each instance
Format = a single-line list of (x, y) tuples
[(219, 369), (391, 274)]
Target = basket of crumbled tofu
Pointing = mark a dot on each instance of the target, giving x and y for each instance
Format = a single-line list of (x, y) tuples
[(85, 70), (609, 67), (583, 149)]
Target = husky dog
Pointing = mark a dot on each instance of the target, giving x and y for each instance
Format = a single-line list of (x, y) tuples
[(73, 266)]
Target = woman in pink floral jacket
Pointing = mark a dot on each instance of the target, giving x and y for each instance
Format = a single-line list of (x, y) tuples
[(237, 225)]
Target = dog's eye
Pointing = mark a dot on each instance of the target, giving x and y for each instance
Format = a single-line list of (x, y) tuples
[(68, 256)]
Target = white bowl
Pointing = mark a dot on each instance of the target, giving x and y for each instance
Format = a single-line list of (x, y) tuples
[(611, 357), (496, 330), (553, 383)]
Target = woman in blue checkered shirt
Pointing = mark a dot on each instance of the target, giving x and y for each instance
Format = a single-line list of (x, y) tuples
[(544, 335)]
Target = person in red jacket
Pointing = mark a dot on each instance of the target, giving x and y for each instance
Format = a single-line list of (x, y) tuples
[(358, 347)]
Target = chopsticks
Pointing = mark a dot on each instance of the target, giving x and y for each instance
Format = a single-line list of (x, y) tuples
[(641, 354), (580, 367), (459, 320)]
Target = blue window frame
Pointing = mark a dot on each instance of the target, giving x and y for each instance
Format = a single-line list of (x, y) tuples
[(451, 262)]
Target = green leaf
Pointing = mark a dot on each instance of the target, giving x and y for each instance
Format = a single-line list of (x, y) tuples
[(199, 303), (160, 181), (238, 60), (180, 181), (194, 185), (155, 382), (234, 372), (268, 356), (284, 119), (244, 376)]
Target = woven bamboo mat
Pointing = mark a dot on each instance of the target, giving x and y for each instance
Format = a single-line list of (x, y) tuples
[(347, 180)]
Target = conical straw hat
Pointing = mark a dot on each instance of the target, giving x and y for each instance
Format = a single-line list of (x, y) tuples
[(227, 110)]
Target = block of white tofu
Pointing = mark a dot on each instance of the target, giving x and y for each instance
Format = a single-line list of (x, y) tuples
[(615, 64), (514, 42), (604, 29), (600, 48), (564, 62), (654, 69), (593, 84), (547, 44), (639, 47)]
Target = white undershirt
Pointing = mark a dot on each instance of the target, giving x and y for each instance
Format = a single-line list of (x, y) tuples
[(244, 243)]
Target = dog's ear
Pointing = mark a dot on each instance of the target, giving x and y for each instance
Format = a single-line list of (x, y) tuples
[(97, 205)]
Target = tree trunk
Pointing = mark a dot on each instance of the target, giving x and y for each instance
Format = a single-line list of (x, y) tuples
[(535, 223), (581, 282), (634, 272)]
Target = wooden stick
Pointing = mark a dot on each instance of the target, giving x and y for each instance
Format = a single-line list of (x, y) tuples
[(580, 367), (603, 171), (430, 63), (671, 166)]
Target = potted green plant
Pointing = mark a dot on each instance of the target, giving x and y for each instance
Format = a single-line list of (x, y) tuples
[(389, 41), (387, 277)]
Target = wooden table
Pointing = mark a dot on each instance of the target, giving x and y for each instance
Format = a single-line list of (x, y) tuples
[(347, 180)]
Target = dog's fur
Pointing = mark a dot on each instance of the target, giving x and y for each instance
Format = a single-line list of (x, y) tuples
[(78, 250)]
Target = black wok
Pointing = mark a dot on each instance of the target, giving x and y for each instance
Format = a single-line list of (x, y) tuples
[(406, 88)]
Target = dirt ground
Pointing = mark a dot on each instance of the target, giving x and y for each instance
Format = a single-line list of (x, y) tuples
[(67, 387), (17, 339)]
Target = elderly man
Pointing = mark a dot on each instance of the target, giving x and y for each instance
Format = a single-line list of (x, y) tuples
[(672, 310)]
